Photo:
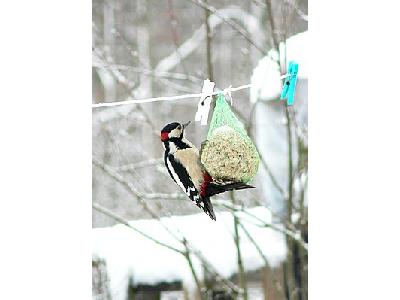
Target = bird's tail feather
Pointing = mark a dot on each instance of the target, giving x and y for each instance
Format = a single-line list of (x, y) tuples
[(214, 188)]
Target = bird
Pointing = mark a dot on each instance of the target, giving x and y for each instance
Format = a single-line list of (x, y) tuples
[(183, 163)]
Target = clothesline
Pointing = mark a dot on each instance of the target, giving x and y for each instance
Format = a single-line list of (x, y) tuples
[(170, 98)]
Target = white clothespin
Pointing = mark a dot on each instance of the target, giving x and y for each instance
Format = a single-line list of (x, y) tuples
[(203, 107)]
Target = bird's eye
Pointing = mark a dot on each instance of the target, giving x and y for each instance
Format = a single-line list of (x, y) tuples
[(179, 127)]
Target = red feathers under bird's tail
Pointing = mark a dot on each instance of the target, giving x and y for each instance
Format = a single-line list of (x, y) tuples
[(214, 188), (210, 188)]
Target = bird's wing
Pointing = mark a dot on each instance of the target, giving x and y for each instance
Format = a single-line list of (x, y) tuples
[(182, 178), (190, 159)]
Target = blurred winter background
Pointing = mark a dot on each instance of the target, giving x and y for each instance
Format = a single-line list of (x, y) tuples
[(149, 240)]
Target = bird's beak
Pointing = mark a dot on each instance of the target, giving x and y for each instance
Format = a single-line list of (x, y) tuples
[(186, 124)]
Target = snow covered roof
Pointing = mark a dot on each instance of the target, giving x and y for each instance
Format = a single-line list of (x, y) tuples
[(266, 76), (131, 255)]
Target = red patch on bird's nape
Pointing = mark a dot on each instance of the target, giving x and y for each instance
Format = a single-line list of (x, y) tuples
[(164, 136), (206, 180)]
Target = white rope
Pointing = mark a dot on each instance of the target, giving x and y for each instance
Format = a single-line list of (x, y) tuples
[(171, 98)]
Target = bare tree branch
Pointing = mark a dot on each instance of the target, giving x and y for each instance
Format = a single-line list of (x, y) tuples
[(191, 44), (148, 72), (241, 271), (140, 164), (268, 6), (299, 12), (121, 220), (293, 235), (140, 195), (208, 45), (264, 258), (228, 21)]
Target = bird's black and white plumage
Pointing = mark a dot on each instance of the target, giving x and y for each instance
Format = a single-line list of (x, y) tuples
[(182, 160)]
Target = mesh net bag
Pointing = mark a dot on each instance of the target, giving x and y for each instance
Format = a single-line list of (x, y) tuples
[(228, 154)]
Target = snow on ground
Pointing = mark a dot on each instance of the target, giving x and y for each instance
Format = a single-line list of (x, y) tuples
[(130, 255)]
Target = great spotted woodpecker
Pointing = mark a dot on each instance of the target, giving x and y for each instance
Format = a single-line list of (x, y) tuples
[(182, 160)]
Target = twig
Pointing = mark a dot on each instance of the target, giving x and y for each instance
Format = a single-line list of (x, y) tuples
[(301, 131), (242, 274), (290, 165), (141, 164), (299, 12), (271, 176), (289, 233), (121, 220), (291, 267), (264, 258), (193, 43), (189, 260), (272, 24), (227, 204), (110, 171), (208, 44), (140, 196), (173, 23), (236, 27), (148, 72), (186, 253), (263, 162)]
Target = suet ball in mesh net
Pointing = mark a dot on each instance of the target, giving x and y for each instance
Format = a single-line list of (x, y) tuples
[(228, 154)]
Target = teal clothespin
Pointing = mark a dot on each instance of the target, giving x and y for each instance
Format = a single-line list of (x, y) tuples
[(289, 85)]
